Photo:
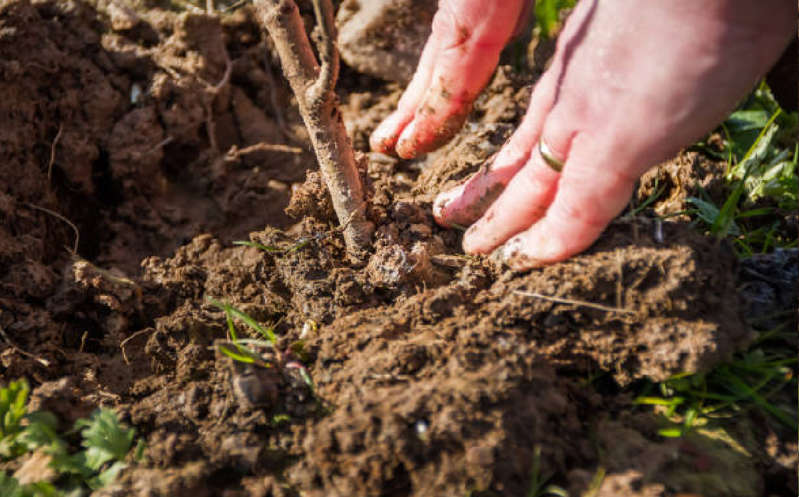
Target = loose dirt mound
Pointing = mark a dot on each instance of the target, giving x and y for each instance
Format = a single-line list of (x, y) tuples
[(434, 373)]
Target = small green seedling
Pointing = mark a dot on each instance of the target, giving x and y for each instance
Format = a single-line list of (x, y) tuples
[(247, 351), (105, 441), (299, 244)]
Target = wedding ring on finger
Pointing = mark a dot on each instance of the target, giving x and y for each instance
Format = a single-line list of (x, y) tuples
[(546, 154)]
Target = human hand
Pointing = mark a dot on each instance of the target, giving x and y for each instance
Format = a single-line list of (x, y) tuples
[(629, 85)]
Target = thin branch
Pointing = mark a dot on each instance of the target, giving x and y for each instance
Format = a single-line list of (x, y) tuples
[(314, 88), (235, 153), (581, 303), (214, 90), (59, 216), (328, 55), (125, 342)]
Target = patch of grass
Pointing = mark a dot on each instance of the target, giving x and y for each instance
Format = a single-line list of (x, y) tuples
[(754, 379), (105, 444), (761, 151)]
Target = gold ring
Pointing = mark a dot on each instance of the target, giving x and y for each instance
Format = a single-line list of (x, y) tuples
[(546, 154)]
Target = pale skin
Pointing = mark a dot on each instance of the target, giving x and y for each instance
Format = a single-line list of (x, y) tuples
[(630, 84)]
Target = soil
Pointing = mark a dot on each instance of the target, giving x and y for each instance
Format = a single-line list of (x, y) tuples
[(138, 142)]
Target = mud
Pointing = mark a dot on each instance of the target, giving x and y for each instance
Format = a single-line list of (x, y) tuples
[(165, 134)]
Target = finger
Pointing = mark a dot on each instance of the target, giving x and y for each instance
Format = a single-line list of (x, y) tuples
[(384, 137), (532, 189), (466, 203), (523, 202), (473, 34), (590, 193)]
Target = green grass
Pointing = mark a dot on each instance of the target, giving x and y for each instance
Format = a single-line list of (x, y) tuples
[(756, 379), (539, 484), (105, 444), (760, 149), (241, 349)]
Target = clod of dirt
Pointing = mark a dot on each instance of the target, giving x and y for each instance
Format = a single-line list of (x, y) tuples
[(311, 198), (681, 178), (669, 307), (384, 38)]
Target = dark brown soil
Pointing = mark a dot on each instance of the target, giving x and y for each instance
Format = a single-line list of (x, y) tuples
[(164, 135)]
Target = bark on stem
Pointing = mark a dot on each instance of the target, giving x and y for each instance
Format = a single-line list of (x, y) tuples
[(314, 88)]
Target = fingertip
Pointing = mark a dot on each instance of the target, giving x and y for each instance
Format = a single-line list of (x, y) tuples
[(384, 138), (407, 143), (524, 252), (442, 202), (476, 241)]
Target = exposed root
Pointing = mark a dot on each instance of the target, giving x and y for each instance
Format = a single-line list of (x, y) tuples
[(52, 153), (15, 348), (74, 250)]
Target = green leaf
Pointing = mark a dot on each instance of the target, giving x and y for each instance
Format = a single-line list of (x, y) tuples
[(670, 432), (239, 355), (706, 211), (725, 222), (104, 438)]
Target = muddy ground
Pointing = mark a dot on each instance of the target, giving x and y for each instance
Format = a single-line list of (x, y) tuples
[(161, 134)]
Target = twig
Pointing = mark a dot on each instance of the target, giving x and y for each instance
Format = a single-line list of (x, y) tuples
[(59, 216), (328, 55), (581, 303), (313, 85), (234, 153), (52, 152), (125, 341), (40, 360)]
